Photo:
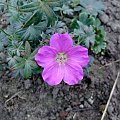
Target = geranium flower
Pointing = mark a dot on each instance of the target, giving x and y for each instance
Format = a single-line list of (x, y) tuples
[(62, 60)]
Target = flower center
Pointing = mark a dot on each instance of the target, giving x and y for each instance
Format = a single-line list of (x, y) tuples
[(61, 58)]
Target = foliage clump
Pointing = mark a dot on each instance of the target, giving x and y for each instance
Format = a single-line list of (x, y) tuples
[(31, 23)]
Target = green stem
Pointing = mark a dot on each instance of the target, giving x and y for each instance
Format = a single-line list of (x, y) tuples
[(4, 32), (20, 44), (7, 34)]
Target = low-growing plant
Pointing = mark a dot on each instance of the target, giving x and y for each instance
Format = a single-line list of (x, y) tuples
[(93, 7), (31, 24), (89, 32)]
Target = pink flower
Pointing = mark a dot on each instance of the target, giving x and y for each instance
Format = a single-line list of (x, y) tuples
[(62, 61)]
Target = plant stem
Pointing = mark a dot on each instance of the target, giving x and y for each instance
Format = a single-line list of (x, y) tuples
[(4, 32)]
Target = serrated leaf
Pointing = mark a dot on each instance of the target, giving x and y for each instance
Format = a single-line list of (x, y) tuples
[(40, 6), (19, 65), (67, 10), (90, 40), (59, 27), (48, 11), (30, 33), (41, 25), (100, 43), (27, 70), (99, 47), (11, 61), (27, 49), (85, 34), (86, 19), (18, 73), (93, 7)]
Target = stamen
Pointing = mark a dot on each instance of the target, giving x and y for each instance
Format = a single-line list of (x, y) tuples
[(61, 58)]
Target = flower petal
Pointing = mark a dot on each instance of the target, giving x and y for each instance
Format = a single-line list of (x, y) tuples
[(78, 54), (53, 74), (73, 73), (45, 56), (61, 42)]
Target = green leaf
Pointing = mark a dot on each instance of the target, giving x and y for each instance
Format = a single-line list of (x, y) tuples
[(86, 69), (30, 7), (18, 73), (53, 3), (74, 24), (93, 7), (27, 49), (90, 40), (11, 61), (75, 3), (3, 41), (19, 65), (30, 33), (33, 54), (67, 10), (40, 6), (86, 19), (59, 27), (19, 59), (100, 43), (27, 70), (97, 23), (48, 11), (85, 34), (34, 19)]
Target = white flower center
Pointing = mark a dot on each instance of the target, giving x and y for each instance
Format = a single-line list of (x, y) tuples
[(61, 58)]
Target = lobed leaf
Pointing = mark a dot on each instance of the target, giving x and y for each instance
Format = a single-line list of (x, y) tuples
[(27, 49)]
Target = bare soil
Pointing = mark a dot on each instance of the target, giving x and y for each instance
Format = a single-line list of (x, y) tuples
[(34, 100)]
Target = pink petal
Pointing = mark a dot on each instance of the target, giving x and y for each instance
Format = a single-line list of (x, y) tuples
[(61, 42), (53, 74), (45, 56), (78, 55), (73, 73)]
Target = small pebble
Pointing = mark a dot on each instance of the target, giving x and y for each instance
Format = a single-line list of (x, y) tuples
[(91, 100), (81, 106)]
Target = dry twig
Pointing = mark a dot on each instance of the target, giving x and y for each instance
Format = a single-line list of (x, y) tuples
[(108, 102), (16, 94), (110, 63)]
